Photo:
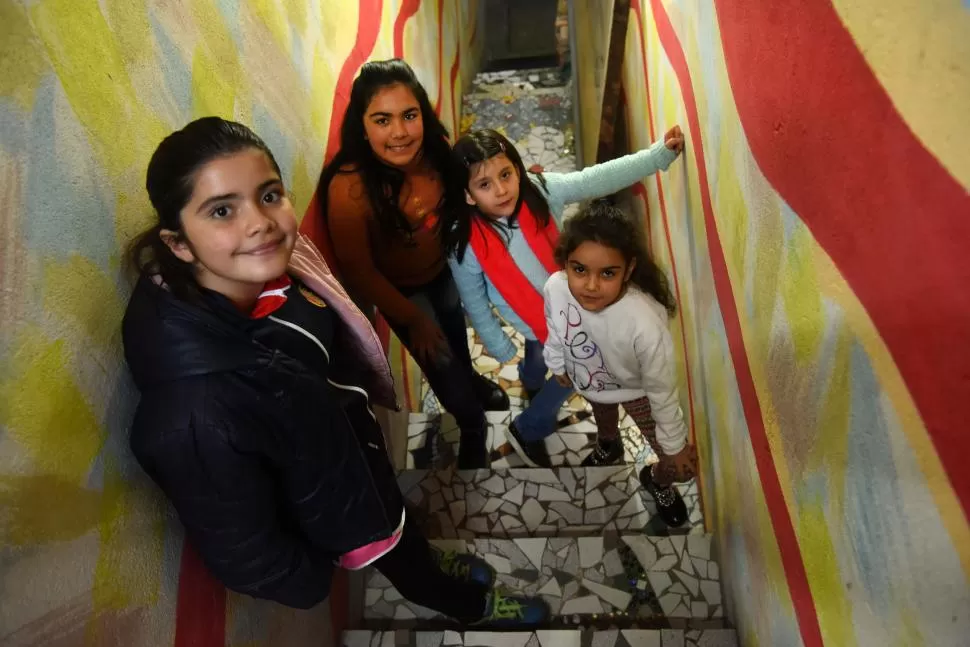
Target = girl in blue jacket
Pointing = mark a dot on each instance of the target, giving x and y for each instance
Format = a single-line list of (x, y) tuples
[(501, 255)]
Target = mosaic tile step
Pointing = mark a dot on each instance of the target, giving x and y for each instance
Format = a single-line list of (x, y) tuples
[(586, 580), (529, 502), (546, 638), (433, 439)]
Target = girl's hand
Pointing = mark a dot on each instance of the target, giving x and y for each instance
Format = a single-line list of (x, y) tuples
[(674, 139), (428, 342), (564, 380)]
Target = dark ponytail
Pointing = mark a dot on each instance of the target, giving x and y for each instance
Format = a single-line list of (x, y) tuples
[(604, 223), (170, 181)]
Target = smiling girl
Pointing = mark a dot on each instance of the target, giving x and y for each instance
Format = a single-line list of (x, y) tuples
[(257, 374), (382, 198)]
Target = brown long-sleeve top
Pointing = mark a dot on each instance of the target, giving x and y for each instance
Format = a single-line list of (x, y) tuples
[(373, 263)]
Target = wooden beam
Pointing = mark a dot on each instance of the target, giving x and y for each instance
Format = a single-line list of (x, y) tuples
[(613, 82)]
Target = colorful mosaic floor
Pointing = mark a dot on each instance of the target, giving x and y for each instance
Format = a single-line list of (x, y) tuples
[(524, 502), (433, 437), (630, 577), (548, 638)]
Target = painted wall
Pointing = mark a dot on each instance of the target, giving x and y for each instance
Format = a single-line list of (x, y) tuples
[(816, 232), (594, 19), (90, 554)]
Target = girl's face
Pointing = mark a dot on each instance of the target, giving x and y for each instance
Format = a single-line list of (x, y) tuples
[(597, 275), (393, 125), (238, 228), (494, 186)]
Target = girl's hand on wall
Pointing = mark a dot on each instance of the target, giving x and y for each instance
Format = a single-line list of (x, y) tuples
[(674, 139)]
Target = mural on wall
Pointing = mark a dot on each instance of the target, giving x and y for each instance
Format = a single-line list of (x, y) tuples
[(89, 551), (814, 234)]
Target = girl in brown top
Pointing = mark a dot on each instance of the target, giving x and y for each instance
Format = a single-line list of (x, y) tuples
[(382, 198)]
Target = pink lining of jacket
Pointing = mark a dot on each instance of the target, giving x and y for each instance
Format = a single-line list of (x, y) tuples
[(308, 265)]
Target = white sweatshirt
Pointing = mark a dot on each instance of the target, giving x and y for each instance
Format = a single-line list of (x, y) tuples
[(622, 353)]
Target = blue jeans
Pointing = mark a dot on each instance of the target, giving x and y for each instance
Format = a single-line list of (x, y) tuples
[(540, 418)]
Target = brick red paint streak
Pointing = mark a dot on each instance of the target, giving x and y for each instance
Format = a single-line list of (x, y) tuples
[(200, 610), (368, 28), (455, 66), (441, 55), (408, 9), (893, 220), (791, 557), (635, 6)]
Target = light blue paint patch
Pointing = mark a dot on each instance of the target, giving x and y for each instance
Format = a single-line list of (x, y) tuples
[(789, 220), (13, 129), (178, 75), (871, 485), (283, 149), (230, 11), (707, 37), (299, 60), (68, 208)]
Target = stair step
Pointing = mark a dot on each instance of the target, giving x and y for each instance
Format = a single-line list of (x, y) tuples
[(624, 579), (536, 502), (433, 439), (546, 638)]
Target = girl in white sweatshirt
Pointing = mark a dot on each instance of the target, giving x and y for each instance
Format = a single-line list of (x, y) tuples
[(607, 313)]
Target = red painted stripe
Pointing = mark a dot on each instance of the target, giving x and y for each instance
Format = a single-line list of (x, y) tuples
[(455, 110), (200, 609), (368, 28), (408, 9), (441, 55), (791, 557), (635, 6), (893, 220)]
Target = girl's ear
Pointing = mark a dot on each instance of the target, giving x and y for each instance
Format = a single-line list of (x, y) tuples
[(469, 199), (629, 270), (177, 243)]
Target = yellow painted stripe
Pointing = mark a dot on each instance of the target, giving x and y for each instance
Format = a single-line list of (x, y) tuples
[(920, 52)]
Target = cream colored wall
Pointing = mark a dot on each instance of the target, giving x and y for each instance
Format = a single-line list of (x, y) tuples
[(593, 20)]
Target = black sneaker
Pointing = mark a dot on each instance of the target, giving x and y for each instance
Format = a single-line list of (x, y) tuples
[(670, 505), (605, 453), (464, 567), (513, 612), (534, 453), (490, 394)]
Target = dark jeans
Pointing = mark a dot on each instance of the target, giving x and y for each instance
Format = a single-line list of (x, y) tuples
[(451, 378), (413, 570)]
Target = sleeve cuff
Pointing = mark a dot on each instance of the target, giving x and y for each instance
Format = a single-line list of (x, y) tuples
[(663, 156)]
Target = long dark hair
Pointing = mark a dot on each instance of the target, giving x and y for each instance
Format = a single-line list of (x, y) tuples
[(474, 148), (170, 181), (604, 223), (382, 182)]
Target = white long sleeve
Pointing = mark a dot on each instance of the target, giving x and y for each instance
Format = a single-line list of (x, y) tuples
[(659, 379), (622, 353)]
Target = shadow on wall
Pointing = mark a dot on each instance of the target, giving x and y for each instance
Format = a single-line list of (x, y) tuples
[(91, 552)]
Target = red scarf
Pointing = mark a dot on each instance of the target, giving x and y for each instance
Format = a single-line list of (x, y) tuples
[(501, 269), (272, 297)]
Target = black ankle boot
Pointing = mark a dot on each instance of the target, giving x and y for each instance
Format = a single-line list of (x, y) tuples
[(490, 394), (670, 505), (472, 452)]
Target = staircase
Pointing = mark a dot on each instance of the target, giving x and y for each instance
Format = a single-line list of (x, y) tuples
[(585, 539)]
